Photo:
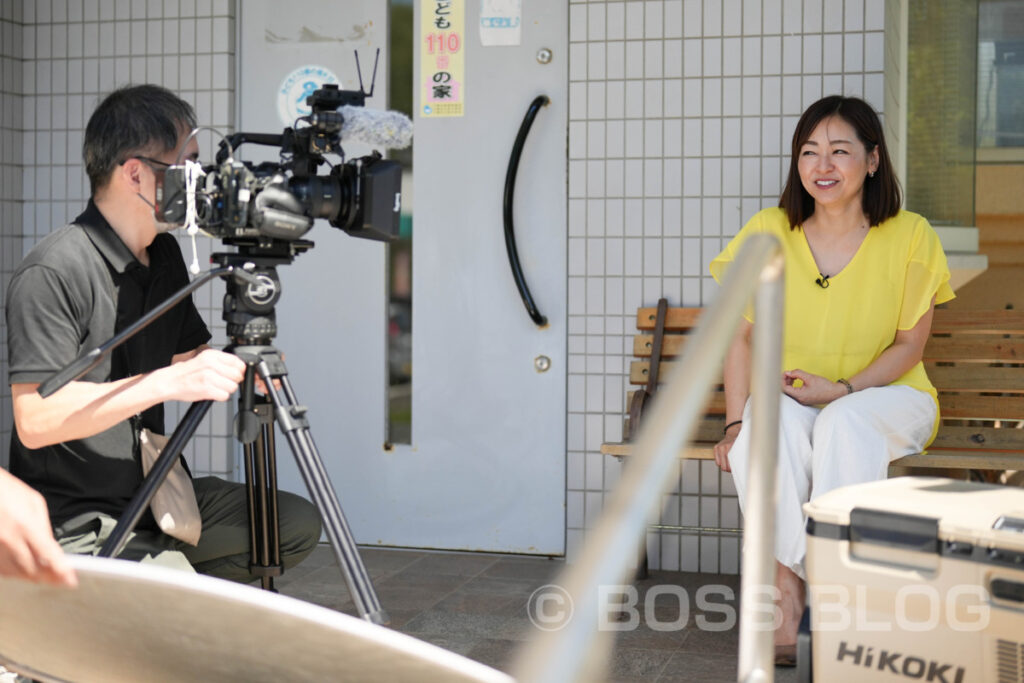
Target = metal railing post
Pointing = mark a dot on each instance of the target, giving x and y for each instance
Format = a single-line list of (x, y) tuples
[(757, 582), (608, 554)]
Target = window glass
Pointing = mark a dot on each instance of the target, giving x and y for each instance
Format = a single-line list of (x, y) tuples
[(942, 77), (400, 253), (1001, 74)]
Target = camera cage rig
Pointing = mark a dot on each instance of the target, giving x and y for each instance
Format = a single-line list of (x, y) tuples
[(321, 137), (253, 205)]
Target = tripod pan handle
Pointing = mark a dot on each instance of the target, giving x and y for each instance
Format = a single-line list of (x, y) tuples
[(81, 366)]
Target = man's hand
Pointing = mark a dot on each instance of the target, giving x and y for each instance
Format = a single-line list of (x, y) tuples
[(27, 547), (209, 375), (813, 390), (259, 384)]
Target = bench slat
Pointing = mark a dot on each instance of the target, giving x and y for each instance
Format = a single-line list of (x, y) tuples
[(945, 320), (954, 459), (979, 438), (962, 460), (950, 436), (709, 431), (638, 370), (671, 346), (938, 349), (689, 453), (715, 404), (676, 319), (972, 379), (959, 406), (962, 349), (972, 407), (978, 322)]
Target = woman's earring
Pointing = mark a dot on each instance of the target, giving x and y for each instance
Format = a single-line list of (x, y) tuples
[(871, 174)]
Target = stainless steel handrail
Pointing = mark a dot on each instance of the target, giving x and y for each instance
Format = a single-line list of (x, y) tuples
[(576, 652)]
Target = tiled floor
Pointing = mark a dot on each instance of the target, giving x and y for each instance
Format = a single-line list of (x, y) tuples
[(478, 605)]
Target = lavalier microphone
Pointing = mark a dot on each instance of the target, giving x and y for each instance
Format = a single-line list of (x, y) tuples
[(822, 281)]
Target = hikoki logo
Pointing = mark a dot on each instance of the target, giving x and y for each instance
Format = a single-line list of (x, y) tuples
[(297, 86), (900, 664)]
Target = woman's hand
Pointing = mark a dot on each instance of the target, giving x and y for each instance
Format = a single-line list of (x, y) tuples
[(813, 390), (723, 447)]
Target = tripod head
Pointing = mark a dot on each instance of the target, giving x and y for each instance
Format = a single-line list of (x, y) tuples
[(248, 307)]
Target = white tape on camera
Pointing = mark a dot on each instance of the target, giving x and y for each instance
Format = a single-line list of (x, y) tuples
[(193, 171)]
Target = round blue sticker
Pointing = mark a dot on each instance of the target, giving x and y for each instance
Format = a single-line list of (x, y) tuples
[(296, 87)]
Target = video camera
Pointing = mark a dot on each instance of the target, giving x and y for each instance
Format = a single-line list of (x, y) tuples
[(254, 205)]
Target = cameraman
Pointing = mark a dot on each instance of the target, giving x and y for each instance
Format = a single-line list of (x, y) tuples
[(77, 288)]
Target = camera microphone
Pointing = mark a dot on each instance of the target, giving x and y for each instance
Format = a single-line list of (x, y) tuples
[(375, 127), (822, 281)]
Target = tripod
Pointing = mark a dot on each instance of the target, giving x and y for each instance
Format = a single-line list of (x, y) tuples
[(253, 289)]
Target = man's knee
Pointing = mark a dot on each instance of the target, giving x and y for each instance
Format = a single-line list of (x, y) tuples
[(300, 524)]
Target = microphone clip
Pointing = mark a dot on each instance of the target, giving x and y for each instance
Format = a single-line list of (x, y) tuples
[(822, 281)]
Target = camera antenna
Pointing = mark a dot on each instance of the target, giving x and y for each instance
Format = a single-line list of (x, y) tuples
[(373, 79)]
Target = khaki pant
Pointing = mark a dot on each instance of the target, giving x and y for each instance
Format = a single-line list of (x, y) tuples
[(223, 549)]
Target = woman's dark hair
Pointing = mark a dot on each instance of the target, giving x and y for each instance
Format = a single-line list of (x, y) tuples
[(133, 120), (882, 197)]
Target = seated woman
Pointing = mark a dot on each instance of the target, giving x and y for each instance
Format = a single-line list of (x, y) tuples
[(862, 280)]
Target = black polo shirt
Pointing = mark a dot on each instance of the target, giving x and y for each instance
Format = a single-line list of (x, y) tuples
[(75, 290)]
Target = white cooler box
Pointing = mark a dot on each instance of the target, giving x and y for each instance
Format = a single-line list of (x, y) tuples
[(916, 578)]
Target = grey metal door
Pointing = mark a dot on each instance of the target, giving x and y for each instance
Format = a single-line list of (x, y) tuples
[(485, 469)]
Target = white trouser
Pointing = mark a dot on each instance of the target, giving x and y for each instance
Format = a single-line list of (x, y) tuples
[(849, 441)]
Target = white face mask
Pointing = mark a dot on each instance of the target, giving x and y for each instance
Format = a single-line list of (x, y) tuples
[(160, 226), (165, 227)]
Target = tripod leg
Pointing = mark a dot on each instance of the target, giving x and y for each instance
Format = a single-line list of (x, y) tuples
[(261, 496), (250, 499), (274, 520), (161, 468), (254, 427), (291, 419)]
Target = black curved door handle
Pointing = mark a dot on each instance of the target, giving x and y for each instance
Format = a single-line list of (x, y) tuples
[(510, 188)]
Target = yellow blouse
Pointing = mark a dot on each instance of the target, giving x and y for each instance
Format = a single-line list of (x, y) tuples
[(887, 286)]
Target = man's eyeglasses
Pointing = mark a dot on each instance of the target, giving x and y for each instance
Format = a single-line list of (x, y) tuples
[(155, 164)]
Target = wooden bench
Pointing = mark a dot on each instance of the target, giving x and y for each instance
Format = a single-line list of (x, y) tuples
[(975, 359)]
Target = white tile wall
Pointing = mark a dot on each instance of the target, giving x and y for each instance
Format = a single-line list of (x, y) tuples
[(680, 114), (13, 177), (58, 59)]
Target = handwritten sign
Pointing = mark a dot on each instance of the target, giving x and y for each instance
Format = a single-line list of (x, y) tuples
[(442, 66)]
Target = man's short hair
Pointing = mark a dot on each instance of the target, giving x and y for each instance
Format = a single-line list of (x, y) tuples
[(133, 120)]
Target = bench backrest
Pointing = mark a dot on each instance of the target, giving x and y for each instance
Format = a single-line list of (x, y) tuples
[(975, 359)]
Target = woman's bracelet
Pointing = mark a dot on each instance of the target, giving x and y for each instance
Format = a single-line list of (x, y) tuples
[(846, 383), (731, 424)]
